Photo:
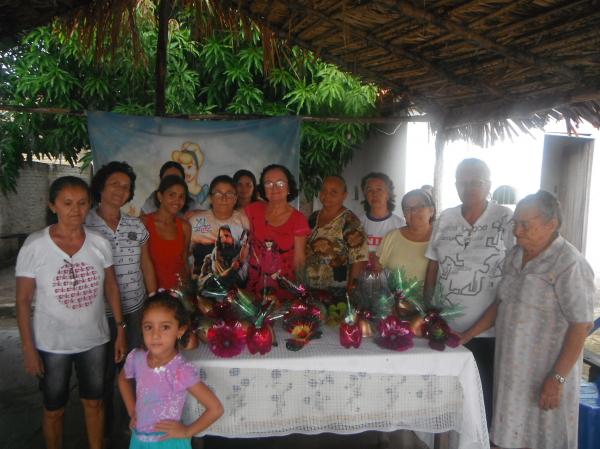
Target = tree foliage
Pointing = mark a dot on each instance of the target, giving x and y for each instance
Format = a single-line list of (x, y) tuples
[(221, 73)]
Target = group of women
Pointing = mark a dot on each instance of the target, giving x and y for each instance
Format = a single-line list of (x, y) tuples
[(537, 291)]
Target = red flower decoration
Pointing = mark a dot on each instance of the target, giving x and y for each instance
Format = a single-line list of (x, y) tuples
[(394, 334), (437, 331), (226, 339), (350, 335), (259, 339)]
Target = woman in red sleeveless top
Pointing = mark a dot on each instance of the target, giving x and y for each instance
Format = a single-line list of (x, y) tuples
[(169, 240)]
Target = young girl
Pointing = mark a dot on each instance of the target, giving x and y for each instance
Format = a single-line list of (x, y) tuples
[(162, 378), (169, 235)]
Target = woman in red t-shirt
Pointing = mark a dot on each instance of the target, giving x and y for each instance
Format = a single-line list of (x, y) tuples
[(277, 232), (169, 240)]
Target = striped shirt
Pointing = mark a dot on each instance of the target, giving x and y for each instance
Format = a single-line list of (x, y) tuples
[(126, 244)]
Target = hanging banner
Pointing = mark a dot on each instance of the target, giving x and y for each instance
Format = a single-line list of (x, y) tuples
[(205, 149)]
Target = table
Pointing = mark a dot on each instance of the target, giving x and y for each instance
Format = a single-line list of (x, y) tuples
[(327, 388)]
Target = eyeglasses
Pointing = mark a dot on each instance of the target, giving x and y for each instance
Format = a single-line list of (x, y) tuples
[(281, 184), (525, 224), (73, 279), (472, 183), (408, 210), (224, 195)]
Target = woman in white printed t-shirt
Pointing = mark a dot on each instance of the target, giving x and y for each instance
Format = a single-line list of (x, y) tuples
[(466, 252), (378, 220), (68, 270)]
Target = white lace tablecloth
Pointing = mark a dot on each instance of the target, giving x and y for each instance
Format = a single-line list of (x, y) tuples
[(327, 388)]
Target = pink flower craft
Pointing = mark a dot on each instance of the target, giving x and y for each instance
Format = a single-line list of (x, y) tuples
[(394, 334), (226, 339)]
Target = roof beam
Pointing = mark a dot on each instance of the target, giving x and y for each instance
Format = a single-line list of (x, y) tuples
[(525, 108), (395, 50), (521, 57)]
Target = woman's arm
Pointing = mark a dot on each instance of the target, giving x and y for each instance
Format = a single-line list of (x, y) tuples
[(113, 297), (430, 279), (356, 270), (486, 321), (187, 234), (213, 411), (128, 395), (299, 252), (148, 270), (33, 361), (551, 394)]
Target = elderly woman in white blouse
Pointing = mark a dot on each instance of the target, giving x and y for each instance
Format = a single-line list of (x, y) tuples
[(543, 313)]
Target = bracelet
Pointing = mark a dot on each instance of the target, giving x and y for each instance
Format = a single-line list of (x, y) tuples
[(122, 323), (560, 379)]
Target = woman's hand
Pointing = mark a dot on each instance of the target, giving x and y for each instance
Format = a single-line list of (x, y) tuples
[(173, 429), (551, 394), (465, 337), (33, 362), (133, 421), (120, 345)]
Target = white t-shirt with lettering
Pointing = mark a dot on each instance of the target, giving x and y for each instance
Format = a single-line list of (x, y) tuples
[(377, 229), (69, 292), (470, 259)]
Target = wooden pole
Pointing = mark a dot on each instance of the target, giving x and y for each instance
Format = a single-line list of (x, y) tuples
[(164, 11), (438, 171)]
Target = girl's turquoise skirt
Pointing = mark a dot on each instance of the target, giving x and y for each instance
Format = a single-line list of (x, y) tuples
[(172, 443)]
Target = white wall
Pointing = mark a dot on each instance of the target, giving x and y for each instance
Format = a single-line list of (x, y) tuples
[(384, 151), (25, 211)]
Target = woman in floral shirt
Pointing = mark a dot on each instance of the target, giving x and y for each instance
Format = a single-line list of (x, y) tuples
[(336, 250)]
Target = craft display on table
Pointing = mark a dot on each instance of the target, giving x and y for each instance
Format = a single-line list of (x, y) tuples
[(388, 306)]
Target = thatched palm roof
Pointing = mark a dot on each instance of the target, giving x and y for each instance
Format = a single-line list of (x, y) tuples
[(469, 64)]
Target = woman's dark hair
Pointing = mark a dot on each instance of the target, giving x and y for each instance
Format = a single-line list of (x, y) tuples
[(99, 179), (240, 174), (292, 187), (166, 183), (171, 164), (226, 179), (57, 186), (391, 202), (170, 302), (425, 196)]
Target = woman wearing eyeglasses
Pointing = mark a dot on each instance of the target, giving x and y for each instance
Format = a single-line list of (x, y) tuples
[(542, 313), (278, 233), (68, 269), (405, 247), (219, 235), (466, 253)]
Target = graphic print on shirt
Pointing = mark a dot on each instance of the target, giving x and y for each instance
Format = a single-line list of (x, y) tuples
[(486, 275), (76, 285)]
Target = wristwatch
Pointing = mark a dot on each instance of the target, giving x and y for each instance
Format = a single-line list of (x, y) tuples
[(123, 324), (559, 378)]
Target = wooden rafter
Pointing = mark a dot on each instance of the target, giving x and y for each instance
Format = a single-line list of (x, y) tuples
[(395, 50), (511, 54), (492, 111)]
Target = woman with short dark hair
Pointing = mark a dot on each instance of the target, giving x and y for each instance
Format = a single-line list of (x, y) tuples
[(379, 205), (68, 269), (208, 228), (278, 232), (112, 187), (247, 191)]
